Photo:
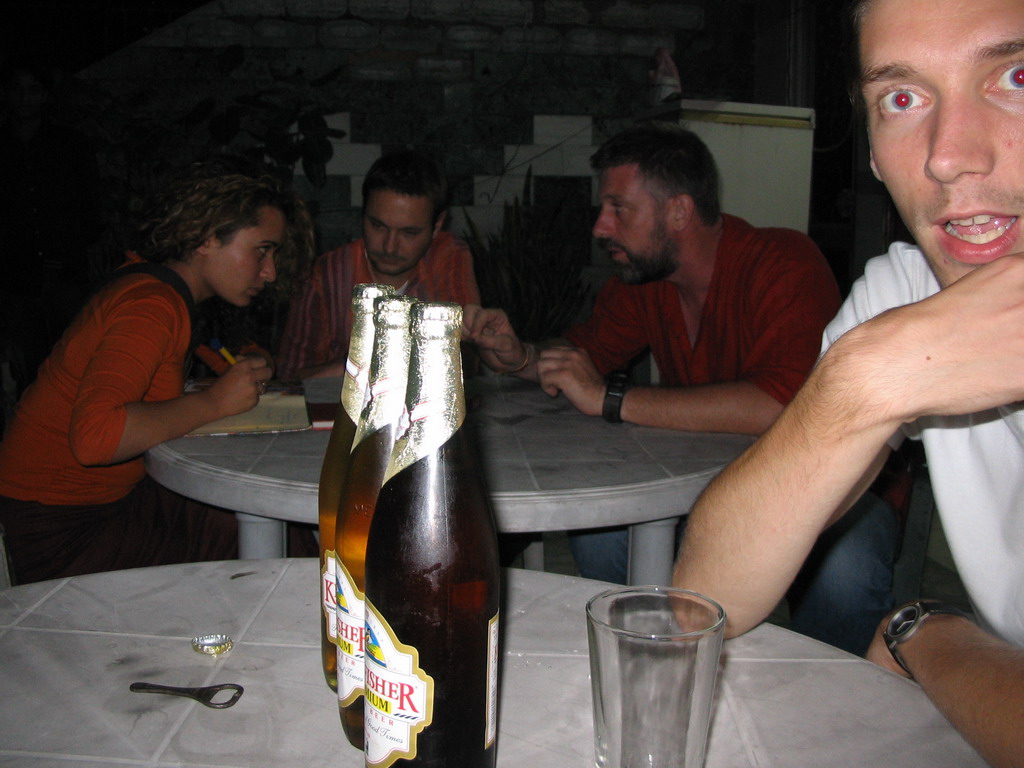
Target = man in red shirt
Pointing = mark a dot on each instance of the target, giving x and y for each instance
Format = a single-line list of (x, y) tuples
[(733, 316), (403, 245)]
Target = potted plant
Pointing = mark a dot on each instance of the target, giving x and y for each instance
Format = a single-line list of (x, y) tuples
[(531, 266)]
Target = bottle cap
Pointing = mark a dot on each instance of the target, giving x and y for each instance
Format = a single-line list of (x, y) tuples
[(212, 645)]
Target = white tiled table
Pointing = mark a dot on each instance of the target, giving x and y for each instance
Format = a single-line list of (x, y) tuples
[(70, 648), (548, 468)]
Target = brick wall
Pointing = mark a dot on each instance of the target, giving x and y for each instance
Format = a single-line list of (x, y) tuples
[(491, 88)]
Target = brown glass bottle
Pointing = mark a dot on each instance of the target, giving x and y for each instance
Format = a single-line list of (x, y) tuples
[(432, 578), (332, 472), (371, 452)]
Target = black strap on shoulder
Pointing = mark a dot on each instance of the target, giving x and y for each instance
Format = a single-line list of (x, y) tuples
[(160, 272), (164, 274)]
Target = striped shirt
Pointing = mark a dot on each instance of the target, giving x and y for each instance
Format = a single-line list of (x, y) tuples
[(320, 317)]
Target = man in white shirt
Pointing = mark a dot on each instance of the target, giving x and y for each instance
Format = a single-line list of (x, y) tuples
[(930, 345)]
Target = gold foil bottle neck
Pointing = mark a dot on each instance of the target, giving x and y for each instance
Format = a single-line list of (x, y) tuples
[(360, 348), (389, 368), (435, 403), (436, 320), (393, 311), (365, 294)]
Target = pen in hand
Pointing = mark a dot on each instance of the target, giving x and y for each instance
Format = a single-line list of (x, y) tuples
[(254, 367), (215, 344)]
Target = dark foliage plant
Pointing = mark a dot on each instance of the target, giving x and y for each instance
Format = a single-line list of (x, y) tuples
[(531, 266)]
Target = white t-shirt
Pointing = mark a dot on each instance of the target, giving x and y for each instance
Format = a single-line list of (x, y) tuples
[(976, 462)]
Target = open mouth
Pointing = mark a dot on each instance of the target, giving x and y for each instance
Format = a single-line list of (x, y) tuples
[(979, 230)]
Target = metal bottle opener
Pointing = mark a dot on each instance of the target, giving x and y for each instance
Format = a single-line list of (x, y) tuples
[(204, 694)]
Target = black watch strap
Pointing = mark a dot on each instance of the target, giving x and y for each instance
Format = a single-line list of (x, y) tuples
[(616, 385), (904, 623)]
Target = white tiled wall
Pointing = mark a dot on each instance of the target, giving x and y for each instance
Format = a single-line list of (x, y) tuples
[(562, 146)]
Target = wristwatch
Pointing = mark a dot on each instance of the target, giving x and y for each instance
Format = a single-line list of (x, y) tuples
[(616, 385), (904, 623)]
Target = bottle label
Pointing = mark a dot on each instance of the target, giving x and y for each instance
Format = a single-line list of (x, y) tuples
[(351, 627), (327, 594), (399, 695), (491, 729)]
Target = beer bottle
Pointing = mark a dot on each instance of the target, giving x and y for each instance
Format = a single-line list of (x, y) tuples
[(332, 472), (371, 452), (432, 579)]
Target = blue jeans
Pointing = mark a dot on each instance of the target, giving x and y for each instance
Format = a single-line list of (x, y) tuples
[(601, 554), (841, 593), (845, 587)]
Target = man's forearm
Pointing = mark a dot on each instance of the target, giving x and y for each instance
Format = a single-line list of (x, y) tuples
[(752, 528), (976, 681), (737, 406)]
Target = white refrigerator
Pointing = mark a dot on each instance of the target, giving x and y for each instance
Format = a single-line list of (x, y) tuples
[(764, 158)]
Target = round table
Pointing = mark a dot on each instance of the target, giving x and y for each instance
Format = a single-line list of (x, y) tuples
[(72, 647), (548, 468)]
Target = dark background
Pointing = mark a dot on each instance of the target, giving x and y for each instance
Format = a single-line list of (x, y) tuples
[(136, 102), (790, 52), (75, 34)]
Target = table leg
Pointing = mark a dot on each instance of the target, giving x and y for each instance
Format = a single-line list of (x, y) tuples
[(652, 552), (533, 555), (261, 538)]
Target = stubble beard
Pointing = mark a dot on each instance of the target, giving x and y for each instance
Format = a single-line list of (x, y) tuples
[(647, 267)]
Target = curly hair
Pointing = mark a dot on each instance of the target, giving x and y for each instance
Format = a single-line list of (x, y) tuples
[(213, 199)]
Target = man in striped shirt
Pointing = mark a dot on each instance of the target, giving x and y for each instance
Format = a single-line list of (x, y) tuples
[(403, 245)]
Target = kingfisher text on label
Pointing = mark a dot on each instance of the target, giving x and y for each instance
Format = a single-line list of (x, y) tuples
[(351, 628), (399, 694), (327, 595)]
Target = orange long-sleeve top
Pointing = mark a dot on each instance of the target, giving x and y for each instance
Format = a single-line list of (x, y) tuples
[(128, 344)]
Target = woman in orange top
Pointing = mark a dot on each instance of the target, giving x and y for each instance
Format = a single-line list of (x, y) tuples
[(74, 495)]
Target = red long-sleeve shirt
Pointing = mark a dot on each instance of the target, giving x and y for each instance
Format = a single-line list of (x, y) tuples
[(320, 318), (771, 296)]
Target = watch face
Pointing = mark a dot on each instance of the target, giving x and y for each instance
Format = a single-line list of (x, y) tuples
[(904, 620)]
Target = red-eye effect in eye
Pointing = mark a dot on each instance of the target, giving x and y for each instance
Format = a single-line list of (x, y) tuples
[(901, 100), (1018, 76)]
